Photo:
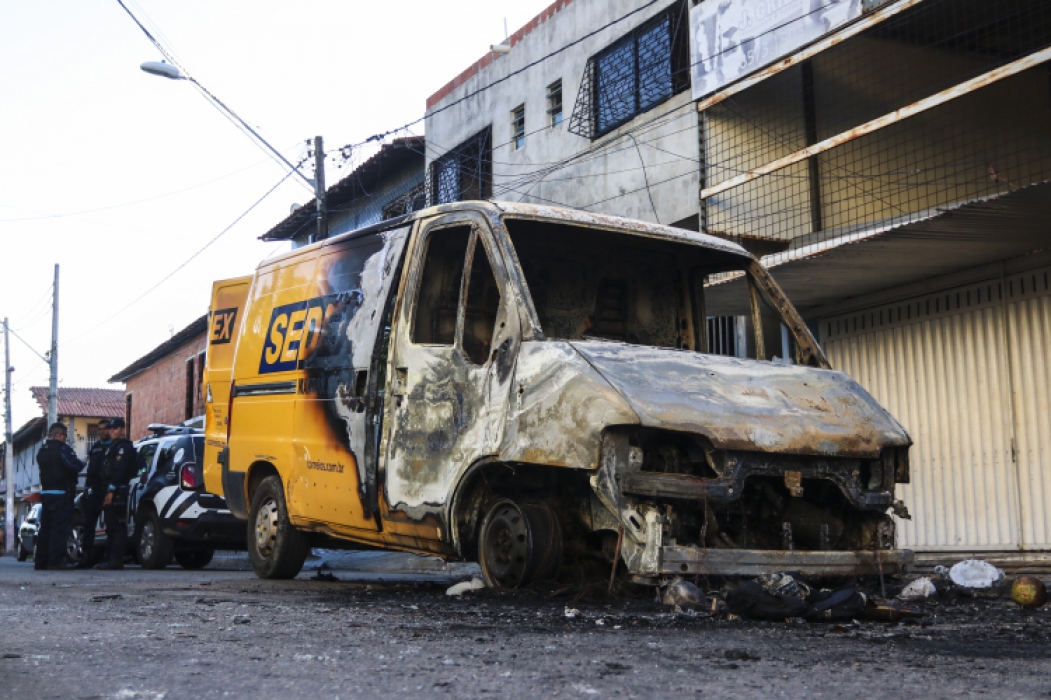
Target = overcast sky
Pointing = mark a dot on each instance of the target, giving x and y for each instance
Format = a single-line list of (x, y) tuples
[(119, 176)]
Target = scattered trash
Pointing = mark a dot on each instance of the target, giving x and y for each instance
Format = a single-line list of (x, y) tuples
[(890, 611), (572, 613), (781, 596), (323, 575), (769, 597), (1029, 592), (111, 596), (458, 589), (975, 573), (920, 589), (242, 620), (683, 594), (740, 655)]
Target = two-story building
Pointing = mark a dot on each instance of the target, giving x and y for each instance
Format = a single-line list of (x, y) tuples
[(888, 159)]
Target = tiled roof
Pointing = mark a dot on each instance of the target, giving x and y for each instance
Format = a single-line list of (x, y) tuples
[(401, 152), (181, 338), (73, 401)]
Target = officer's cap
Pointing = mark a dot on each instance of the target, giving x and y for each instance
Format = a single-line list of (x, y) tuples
[(116, 422), (104, 423)]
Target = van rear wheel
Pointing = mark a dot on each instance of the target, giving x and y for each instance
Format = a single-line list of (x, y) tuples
[(519, 543), (275, 547)]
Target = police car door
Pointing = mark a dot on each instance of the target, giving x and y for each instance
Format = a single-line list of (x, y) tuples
[(146, 459), (455, 340)]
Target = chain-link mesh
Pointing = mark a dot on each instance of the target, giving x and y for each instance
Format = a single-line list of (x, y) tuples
[(634, 74), (465, 172), (987, 141)]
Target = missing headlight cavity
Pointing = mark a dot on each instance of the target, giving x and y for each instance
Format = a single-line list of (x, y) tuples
[(667, 452)]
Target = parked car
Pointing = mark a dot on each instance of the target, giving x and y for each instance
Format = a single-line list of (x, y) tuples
[(27, 532), (170, 515)]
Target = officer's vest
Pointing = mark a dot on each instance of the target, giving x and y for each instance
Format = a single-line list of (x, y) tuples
[(53, 475)]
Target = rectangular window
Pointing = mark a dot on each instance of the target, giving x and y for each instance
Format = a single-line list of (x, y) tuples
[(438, 296), (518, 127), (634, 74), (554, 103), (465, 172), (190, 376)]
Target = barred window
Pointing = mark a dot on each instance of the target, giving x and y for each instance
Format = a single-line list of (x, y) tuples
[(465, 172), (554, 103), (634, 74), (518, 127)]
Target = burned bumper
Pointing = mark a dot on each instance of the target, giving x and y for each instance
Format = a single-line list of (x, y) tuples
[(754, 562)]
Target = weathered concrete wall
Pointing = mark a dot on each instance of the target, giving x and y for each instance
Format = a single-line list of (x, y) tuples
[(610, 178)]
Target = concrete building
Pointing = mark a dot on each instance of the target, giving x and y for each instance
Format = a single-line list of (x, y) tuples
[(164, 385), (386, 185), (590, 108), (80, 410), (901, 165), (890, 160)]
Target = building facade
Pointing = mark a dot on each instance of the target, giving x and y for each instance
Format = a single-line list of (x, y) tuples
[(890, 161), (164, 385), (387, 185)]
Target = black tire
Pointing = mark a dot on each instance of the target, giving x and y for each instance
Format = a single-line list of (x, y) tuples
[(23, 553), (518, 544), (154, 549), (275, 547), (194, 558)]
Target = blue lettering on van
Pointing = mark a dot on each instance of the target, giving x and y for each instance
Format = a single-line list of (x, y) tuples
[(292, 335)]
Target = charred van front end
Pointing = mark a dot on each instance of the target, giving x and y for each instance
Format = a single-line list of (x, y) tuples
[(707, 500)]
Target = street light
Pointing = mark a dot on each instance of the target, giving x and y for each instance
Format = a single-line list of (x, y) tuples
[(167, 70)]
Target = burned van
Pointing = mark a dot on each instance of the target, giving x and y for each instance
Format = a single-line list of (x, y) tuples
[(527, 386)]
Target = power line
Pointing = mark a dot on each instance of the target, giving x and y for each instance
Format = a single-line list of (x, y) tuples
[(184, 263)]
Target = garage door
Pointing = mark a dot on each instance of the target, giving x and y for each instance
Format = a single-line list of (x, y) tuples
[(968, 372)]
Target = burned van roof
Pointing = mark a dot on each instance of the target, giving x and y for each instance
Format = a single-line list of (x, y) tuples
[(606, 221), (535, 212)]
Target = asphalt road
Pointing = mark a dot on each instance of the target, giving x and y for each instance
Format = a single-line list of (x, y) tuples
[(227, 634)]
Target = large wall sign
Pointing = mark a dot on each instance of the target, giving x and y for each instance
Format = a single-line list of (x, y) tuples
[(732, 38)]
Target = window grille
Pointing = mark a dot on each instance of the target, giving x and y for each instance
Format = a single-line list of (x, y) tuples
[(554, 103), (634, 74), (465, 172), (518, 127), (986, 142), (93, 435)]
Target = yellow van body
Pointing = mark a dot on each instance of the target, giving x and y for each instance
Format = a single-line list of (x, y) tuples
[(225, 312), (511, 382)]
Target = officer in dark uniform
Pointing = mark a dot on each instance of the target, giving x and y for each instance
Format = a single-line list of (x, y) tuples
[(119, 465), (95, 483), (59, 467)]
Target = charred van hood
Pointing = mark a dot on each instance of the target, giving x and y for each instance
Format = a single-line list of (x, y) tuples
[(746, 404)]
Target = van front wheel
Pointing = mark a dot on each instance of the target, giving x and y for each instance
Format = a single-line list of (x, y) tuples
[(276, 548), (518, 543)]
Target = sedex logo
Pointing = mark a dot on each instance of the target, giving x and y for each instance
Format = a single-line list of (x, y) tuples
[(293, 335), (222, 330)]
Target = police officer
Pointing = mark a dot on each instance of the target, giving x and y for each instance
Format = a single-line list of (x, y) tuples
[(95, 483), (59, 467), (118, 467)]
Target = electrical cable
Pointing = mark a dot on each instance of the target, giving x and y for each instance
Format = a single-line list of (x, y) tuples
[(181, 266)]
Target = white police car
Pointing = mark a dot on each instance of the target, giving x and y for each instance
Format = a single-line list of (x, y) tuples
[(170, 515)]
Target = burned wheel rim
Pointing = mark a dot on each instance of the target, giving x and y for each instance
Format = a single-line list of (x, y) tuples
[(147, 540), (506, 546), (75, 544), (266, 522), (519, 543)]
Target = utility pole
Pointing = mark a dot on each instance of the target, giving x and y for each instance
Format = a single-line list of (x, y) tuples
[(52, 394), (9, 461), (319, 189)]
